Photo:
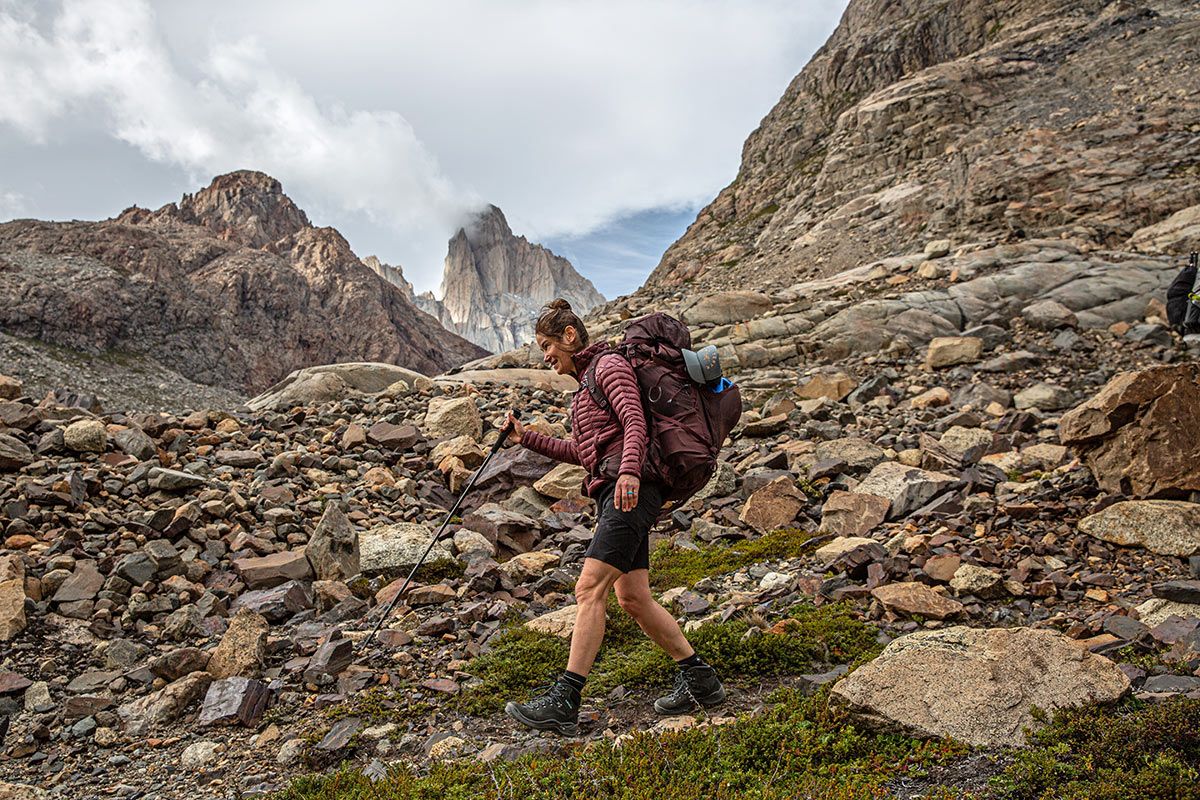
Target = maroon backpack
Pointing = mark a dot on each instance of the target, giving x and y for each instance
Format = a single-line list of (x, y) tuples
[(688, 421)]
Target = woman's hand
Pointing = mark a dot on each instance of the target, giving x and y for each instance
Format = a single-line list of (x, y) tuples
[(625, 497), (515, 429)]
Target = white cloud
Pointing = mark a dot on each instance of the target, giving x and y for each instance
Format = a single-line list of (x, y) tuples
[(392, 117), (12, 205), (240, 113)]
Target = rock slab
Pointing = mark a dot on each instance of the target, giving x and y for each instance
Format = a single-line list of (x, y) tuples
[(976, 685)]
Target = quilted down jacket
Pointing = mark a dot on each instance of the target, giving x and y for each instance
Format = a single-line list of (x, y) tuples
[(599, 438)]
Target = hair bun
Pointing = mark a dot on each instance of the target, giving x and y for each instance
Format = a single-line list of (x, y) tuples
[(559, 304)]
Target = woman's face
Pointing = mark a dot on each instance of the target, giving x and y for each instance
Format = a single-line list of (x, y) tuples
[(559, 350)]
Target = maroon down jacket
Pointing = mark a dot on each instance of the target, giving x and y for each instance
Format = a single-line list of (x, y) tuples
[(596, 433)]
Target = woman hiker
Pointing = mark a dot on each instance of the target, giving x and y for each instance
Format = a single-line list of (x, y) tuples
[(618, 557)]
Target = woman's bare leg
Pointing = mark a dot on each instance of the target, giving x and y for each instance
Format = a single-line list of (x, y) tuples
[(591, 593), (633, 593)]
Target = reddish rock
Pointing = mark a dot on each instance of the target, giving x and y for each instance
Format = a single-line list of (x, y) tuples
[(1140, 434), (916, 599), (273, 569), (774, 505)]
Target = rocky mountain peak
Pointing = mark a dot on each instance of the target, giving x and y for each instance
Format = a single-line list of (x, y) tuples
[(921, 120), (246, 207), (494, 283)]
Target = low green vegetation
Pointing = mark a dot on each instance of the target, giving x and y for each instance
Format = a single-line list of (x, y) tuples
[(804, 748), (670, 566), (807, 639), (801, 748), (1138, 750)]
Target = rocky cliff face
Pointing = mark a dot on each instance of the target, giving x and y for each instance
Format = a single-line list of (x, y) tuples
[(924, 120), (233, 287), (494, 284)]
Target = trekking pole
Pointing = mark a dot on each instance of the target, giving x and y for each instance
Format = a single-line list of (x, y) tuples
[(387, 612)]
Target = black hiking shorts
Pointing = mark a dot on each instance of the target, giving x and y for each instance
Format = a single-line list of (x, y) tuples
[(622, 538)]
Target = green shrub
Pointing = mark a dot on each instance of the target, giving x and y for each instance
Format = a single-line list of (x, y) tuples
[(1149, 752)]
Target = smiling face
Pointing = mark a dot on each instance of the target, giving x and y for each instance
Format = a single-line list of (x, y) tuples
[(559, 350)]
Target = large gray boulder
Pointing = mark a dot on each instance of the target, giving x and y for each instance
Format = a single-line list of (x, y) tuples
[(1166, 527), (334, 381), (978, 686), (393, 549)]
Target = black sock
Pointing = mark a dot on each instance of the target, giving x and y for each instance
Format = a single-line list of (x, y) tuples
[(694, 660), (573, 680)]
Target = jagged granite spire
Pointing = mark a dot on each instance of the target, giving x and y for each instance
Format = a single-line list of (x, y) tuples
[(494, 283)]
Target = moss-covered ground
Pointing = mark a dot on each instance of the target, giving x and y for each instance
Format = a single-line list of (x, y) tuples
[(808, 639), (673, 567), (803, 747)]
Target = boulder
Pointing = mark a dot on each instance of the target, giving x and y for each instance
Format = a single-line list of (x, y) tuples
[(1140, 434), (560, 623), (274, 569), (1178, 233), (774, 505), (1166, 527), (528, 566), (313, 385), (853, 513), (160, 708), (83, 584), (470, 543), (453, 416), (232, 701), (1049, 315), (332, 551), (908, 488), (947, 351), (12, 596), (834, 386), (393, 437), (969, 444), (979, 581), (857, 453), (1044, 396), (394, 549), (978, 686), (10, 388), (242, 647), (916, 599), (1155, 611), (86, 436), (277, 603), (13, 454), (724, 308), (135, 442), (563, 481), (839, 547), (171, 480)]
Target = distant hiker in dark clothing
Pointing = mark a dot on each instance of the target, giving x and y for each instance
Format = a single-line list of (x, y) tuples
[(618, 557), (1183, 307)]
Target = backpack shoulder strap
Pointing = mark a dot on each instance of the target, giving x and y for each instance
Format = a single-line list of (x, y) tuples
[(592, 385)]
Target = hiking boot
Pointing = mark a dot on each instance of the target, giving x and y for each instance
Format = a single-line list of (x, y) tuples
[(554, 708), (694, 685)]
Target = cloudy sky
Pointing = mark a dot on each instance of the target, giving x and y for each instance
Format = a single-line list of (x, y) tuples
[(599, 128)]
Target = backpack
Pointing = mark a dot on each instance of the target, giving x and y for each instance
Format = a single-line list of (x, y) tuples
[(1183, 300), (688, 422)]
